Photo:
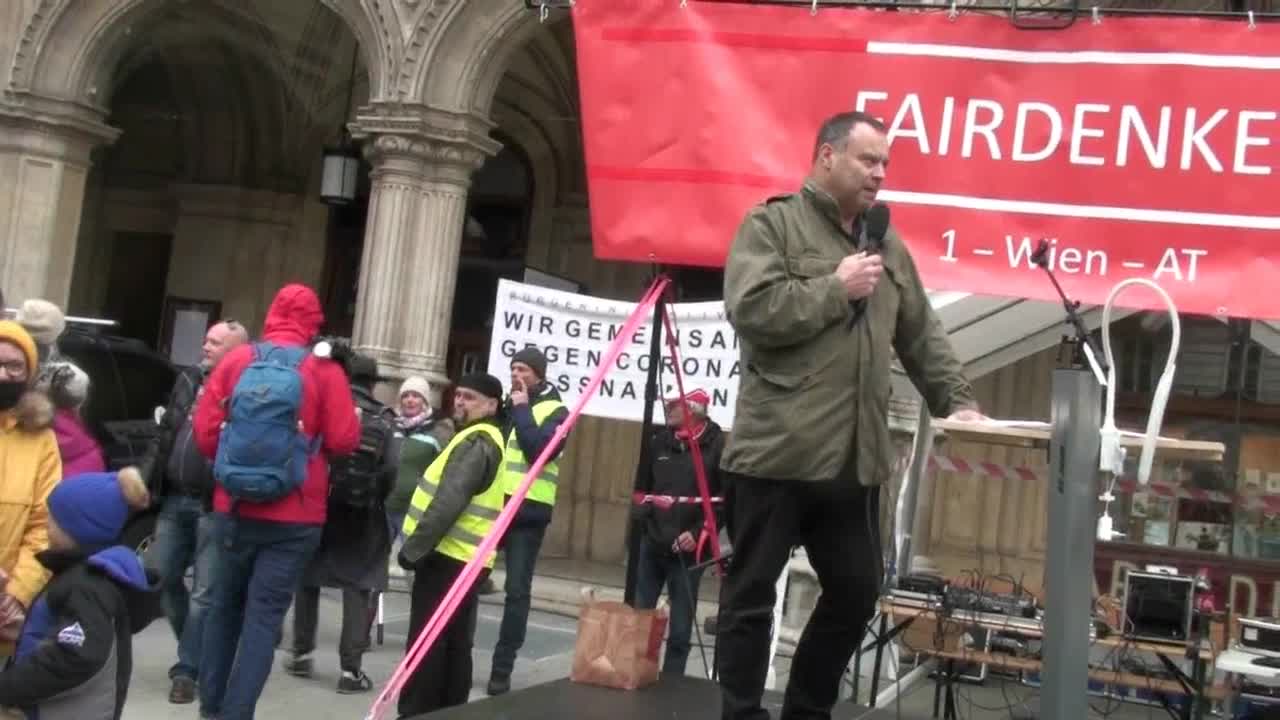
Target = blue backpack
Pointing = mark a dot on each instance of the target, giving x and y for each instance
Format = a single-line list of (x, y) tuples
[(262, 452)]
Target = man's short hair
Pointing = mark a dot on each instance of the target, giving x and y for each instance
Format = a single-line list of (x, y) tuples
[(236, 330), (835, 129)]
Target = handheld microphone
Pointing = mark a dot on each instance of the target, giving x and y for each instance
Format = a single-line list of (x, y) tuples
[(876, 223), (877, 220)]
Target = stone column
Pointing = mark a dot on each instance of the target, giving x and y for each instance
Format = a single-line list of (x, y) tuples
[(422, 164), (44, 160)]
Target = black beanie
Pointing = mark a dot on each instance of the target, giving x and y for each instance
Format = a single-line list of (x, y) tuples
[(362, 368), (534, 358), (483, 383)]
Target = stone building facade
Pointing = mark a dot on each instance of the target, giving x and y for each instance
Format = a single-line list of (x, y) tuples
[(156, 151), (432, 78), (164, 150)]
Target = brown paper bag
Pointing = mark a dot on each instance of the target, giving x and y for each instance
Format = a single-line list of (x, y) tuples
[(617, 646)]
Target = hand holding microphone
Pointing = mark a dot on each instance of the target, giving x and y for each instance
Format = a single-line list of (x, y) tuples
[(859, 274)]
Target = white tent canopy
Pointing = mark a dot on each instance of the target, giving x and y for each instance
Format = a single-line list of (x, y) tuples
[(992, 332)]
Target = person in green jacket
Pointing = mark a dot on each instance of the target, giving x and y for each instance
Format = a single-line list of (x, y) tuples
[(820, 309), (421, 433)]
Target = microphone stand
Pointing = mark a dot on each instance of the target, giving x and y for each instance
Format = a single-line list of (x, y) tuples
[(1085, 351), (1076, 402)]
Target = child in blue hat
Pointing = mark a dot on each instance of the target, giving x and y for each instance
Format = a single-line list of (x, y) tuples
[(75, 654)]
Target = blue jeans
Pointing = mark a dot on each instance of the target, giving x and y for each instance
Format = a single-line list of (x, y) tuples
[(655, 568), (181, 542), (396, 521), (257, 569), (520, 549)]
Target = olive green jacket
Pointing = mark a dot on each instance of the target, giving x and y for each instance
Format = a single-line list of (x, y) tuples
[(813, 397)]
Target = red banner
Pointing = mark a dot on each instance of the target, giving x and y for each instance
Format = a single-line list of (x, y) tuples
[(1138, 146)]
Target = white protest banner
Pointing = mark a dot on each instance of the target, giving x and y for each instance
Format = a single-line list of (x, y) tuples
[(573, 331)]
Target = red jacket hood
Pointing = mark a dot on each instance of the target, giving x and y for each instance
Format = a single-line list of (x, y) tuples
[(295, 316)]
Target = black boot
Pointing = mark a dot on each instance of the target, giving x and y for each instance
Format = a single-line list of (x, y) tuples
[(183, 691), (498, 685)]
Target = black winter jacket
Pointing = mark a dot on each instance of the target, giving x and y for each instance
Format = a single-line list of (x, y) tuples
[(75, 655), (671, 473), (173, 464), (356, 540)]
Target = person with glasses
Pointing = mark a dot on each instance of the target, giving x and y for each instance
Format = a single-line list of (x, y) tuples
[(32, 467)]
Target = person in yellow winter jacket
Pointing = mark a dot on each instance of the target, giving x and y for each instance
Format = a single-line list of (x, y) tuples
[(30, 467)]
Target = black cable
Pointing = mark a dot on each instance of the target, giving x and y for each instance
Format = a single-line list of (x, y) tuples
[(979, 587), (1004, 692), (1108, 696), (693, 604), (873, 533)]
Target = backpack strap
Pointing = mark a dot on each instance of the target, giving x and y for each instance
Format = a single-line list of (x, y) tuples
[(293, 356)]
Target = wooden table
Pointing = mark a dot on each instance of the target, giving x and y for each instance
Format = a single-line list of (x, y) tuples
[(1037, 436), (904, 615)]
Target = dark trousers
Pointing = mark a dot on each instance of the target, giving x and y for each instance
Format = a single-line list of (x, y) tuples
[(520, 549), (658, 567), (257, 566), (836, 524), (443, 679), (354, 641)]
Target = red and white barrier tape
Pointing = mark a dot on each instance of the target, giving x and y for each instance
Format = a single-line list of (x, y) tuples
[(666, 501), (1248, 501)]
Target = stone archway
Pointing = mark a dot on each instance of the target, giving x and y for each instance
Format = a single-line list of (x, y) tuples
[(68, 49), (68, 57), (472, 50)]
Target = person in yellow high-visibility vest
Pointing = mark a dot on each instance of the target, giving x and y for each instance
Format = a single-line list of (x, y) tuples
[(536, 413), (452, 509)]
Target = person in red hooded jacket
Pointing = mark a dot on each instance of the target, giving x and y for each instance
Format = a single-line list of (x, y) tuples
[(262, 549)]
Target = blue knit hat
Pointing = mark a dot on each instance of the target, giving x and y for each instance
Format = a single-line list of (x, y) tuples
[(92, 508)]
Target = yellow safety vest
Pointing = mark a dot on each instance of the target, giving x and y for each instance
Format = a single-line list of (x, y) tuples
[(463, 539), (515, 465)]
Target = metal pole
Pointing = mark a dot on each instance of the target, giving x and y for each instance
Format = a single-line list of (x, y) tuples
[(909, 495), (1073, 474), (642, 480)]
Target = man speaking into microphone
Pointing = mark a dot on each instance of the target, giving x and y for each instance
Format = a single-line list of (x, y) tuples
[(821, 292)]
